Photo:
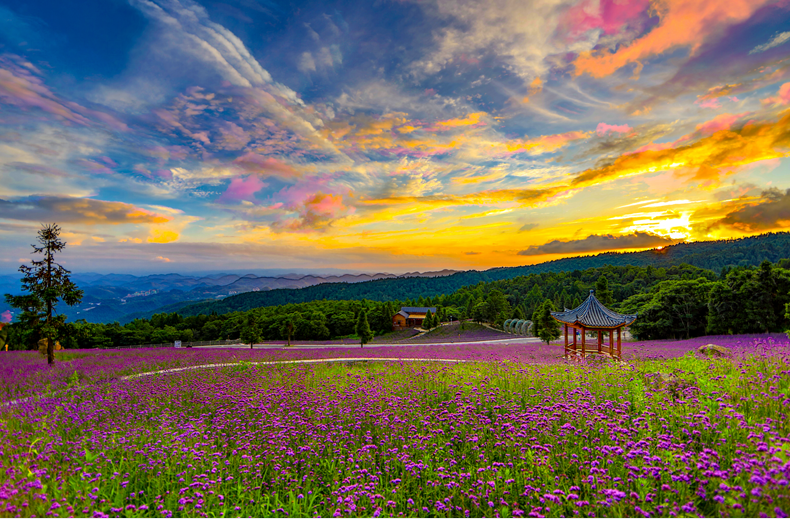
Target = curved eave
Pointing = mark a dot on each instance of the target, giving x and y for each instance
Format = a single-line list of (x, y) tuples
[(578, 324)]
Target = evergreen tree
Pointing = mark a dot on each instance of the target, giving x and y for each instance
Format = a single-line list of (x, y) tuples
[(363, 329), (518, 313), (496, 306), (428, 323), (602, 291), (470, 308), (288, 326), (250, 333), (536, 323), (549, 328), (46, 282)]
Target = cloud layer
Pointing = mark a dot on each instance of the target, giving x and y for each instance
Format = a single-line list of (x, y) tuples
[(457, 134)]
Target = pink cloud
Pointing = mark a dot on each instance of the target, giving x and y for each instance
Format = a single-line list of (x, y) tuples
[(709, 103), (317, 213), (94, 167), (266, 166), (782, 97), (242, 189), (608, 15), (107, 160), (468, 59), (603, 128), (719, 123), (294, 196), (6, 317), (652, 147), (20, 86)]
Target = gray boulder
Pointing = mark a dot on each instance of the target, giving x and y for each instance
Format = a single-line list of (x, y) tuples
[(714, 350)]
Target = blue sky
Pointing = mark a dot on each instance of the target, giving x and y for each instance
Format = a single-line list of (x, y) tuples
[(391, 135)]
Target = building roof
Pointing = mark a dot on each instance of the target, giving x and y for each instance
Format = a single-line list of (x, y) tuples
[(592, 314), (408, 311)]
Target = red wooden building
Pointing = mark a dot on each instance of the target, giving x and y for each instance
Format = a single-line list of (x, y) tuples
[(411, 317)]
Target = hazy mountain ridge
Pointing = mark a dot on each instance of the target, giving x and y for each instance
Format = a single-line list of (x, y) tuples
[(713, 255), (110, 297)]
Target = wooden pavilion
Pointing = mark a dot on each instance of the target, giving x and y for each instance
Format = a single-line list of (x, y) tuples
[(592, 316)]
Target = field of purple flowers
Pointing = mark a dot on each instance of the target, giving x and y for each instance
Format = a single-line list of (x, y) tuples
[(513, 432)]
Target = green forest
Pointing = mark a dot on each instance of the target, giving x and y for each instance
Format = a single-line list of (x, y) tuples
[(713, 255), (672, 302)]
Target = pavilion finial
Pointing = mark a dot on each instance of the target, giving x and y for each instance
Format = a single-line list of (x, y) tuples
[(592, 290)]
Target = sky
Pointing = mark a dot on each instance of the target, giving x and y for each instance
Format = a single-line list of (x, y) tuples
[(390, 135)]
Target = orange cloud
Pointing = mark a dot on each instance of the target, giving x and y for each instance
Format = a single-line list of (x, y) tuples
[(77, 210), (545, 143), (719, 123), (709, 158), (683, 23), (470, 120), (162, 236), (771, 211), (534, 88)]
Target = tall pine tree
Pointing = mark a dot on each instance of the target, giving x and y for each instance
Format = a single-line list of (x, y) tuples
[(549, 328), (46, 282), (363, 328)]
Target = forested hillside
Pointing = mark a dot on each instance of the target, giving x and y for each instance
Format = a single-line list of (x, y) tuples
[(714, 256), (674, 302)]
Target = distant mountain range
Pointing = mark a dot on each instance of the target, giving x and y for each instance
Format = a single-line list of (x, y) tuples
[(122, 297), (712, 255), (111, 297)]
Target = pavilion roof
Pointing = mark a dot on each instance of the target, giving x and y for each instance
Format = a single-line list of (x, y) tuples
[(592, 314)]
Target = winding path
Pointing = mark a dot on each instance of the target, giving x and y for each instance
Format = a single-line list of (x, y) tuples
[(348, 360)]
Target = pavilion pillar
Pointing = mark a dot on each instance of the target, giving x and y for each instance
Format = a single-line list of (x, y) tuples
[(584, 342), (574, 340), (619, 351), (566, 340), (611, 343), (600, 340)]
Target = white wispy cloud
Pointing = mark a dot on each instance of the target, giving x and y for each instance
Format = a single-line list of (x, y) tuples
[(777, 40), (520, 33)]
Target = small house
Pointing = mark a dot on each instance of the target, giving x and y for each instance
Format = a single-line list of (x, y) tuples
[(411, 316)]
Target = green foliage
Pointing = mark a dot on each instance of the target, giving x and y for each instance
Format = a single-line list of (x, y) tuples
[(750, 301), (676, 309), (428, 322), (678, 301), (250, 333), (363, 329), (602, 291), (46, 283), (549, 328), (497, 308)]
